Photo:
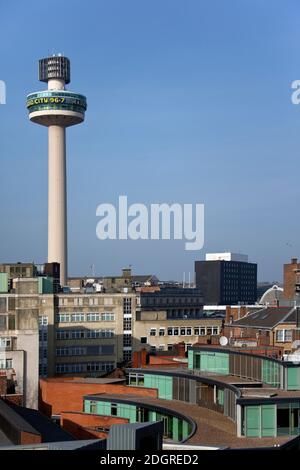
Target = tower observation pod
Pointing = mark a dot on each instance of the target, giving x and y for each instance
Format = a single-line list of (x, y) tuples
[(56, 108)]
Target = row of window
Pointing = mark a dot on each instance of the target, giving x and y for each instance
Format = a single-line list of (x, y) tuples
[(85, 350), (85, 334), (84, 317), (75, 351), (146, 301), (84, 367), (80, 301), (185, 331)]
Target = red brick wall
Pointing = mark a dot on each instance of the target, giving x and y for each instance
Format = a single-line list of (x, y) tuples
[(290, 278), (139, 358), (81, 425), (28, 438), (235, 313), (261, 337), (57, 395)]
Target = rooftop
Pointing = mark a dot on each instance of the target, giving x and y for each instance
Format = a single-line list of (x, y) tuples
[(267, 317), (212, 428)]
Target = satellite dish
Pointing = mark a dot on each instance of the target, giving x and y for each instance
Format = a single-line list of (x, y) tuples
[(223, 341)]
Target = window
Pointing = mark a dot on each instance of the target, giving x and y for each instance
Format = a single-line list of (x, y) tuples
[(63, 318), (5, 363), (175, 331), (280, 335), (196, 331), (127, 341), (127, 355), (182, 331), (43, 320), (202, 331), (5, 342), (93, 407), (153, 332), (170, 331), (107, 316), (77, 317), (215, 330), (284, 335), (143, 339), (209, 331), (161, 332), (189, 331), (288, 335), (127, 324), (93, 317), (126, 306), (77, 334), (161, 347)]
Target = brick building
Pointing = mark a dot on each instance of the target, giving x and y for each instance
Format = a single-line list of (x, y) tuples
[(291, 279), (268, 326)]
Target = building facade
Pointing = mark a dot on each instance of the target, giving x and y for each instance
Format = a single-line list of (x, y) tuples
[(19, 340), (224, 282), (291, 280)]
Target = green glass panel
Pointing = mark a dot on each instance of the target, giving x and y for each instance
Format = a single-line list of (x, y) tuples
[(293, 378), (214, 362), (185, 429), (252, 421), (268, 423), (175, 429), (190, 359), (152, 416), (220, 396)]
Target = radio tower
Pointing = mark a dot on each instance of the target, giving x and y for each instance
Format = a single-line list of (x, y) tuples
[(56, 108)]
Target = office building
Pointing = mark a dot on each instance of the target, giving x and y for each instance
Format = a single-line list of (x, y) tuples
[(226, 280)]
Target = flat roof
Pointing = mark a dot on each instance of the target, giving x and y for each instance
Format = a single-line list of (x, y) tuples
[(212, 428), (244, 388)]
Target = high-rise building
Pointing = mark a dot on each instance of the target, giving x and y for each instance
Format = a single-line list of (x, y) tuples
[(56, 108), (227, 280)]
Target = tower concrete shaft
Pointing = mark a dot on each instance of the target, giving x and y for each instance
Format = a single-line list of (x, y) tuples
[(57, 109), (57, 200)]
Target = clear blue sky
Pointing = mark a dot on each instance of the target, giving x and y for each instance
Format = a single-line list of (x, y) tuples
[(189, 101)]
